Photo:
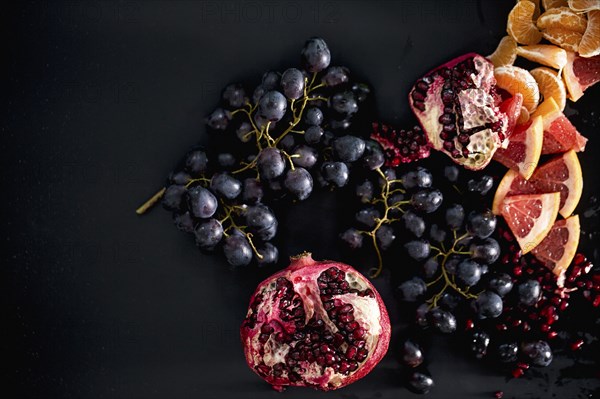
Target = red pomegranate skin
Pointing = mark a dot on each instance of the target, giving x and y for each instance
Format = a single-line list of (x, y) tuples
[(288, 346)]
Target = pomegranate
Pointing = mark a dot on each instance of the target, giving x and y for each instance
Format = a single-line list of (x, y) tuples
[(457, 106), (315, 324)]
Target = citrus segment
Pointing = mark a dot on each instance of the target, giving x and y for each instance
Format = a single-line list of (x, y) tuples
[(565, 38), (550, 85), (590, 42), (520, 24), (505, 53), (518, 80), (558, 249), (580, 73), (561, 174), (562, 17), (512, 108), (523, 116), (559, 133), (530, 217), (524, 149), (548, 4), (545, 54), (584, 5)]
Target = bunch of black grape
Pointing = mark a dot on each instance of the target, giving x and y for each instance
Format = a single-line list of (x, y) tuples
[(268, 144)]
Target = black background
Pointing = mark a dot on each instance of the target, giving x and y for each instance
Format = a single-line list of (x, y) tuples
[(103, 99)]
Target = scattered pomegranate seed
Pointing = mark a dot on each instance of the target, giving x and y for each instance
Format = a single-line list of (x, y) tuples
[(498, 394), (469, 325), (577, 345), (518, 372), (552, 334), (596, 302), (522, 365)]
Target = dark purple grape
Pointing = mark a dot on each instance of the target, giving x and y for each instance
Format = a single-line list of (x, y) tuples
[(352, 237), (336, 75), (196, 162), (348, 148), (272, 106), (451, 173), (313, 116), (237, 250), (208, 234), (449, 301), (442, 320), (373, 157), (455, 216), (468, 272), (243, 132), (538, 353), (481, 224), (488, 305), (180, 178), (201, 202), (299, 182), (501, 284), (427, 200), (414, 223), (419, 382), (269, 253), (234, 95), (261, 221), (313, 134), (258, 93), (367, 216), (184, 222), (253, 191), (270, 80), (431, 267), (344, 103), (361, 91), (304, 156), (173, 196), (420, 177), (343, 124), (482, 186), (411, 353), (529, 292), (486, 251), (226, 160), (385, 236), (479, 343), (335, 173), (364, 191), (411, 290), (418, 249), (292, 83), (315, 55), (507, 353), (436, 233), (225, 185), (287, 143), (270, 163), (219, 119)]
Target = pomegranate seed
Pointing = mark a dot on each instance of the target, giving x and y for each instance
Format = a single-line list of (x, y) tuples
[(498, 394), (579, 259), (523, 365), (564, 305), (517, 271), (596, 302), (518, 372), (577, 345), (545, 327), (552, 334), (501, 327), (469, 324)]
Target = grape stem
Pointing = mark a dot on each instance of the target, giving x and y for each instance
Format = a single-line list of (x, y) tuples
[(150, 203)]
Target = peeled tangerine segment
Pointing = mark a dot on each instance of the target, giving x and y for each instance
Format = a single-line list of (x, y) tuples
[(520, 23), (518, 80), (505, 53), (590, 42), (561, 174), (565, 38), (584, 5), (530, 217), (545, 54), (524, 148), (562, 17), (550, 85), (558, 249)]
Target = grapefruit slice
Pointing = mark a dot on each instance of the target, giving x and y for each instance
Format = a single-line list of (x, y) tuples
[(524, 148), (530, 217), (559, 133), (512, 108), (558, 249), (545, 54), (580, 73), (561, 174)]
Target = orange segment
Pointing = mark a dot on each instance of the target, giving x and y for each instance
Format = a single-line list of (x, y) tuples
[(548, 4), (518, 80), (590, 42), (520, 24), (545, 54), (523, 116), (558, 249), (567, 39), (550, 85), (584, 5), (524, 149), (561, 174), (562, 17), (530, 217), (505, 53)]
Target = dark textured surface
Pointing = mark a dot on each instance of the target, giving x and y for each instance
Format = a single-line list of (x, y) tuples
[(103, 98)]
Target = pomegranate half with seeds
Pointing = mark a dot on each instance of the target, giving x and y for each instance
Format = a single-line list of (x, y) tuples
[(315, 324), (457, 106)]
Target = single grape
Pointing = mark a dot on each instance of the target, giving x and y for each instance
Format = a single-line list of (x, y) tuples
[(420, 177), (225, 185), (352, 237), (479, 343), (449, 301), (390, 174), (196, 162), (261, 220), (394, 201), (272, 106), (488, 305), (482, 186), (336, 75), (367, 216), (201, 202), (501, 284), (507, 353), (486, 251), (226, 160), (208, 234), (219, 119), (361, 91), (292, 82), (430, 267), (299, 182), (452, 263), (270, 80), (451, 173), (364, 191), (173, 196), (529, 292), (315, 55), (348, 148), (421, 315), (412, 289), (234, 95), (468, 272), (270, 163), (442, 320), (481, 224), (418, 249), (313, 134), (288, 142), (313, 116), (269, 253), (258, 93), (414, 223), (344, 103), (237, 250), (427, 200), (304, 156), (180, 178), (243, 132), (253, 191), (419, 382), (373, 157), (184, 222), (538, 353), (343, 124), (436, 233), (412, 356), (335, 173), (327, 138), (455, 216), (385, 236)]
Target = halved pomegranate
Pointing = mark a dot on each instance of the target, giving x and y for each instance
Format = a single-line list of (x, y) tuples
[(457, 106), (315, 324)]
